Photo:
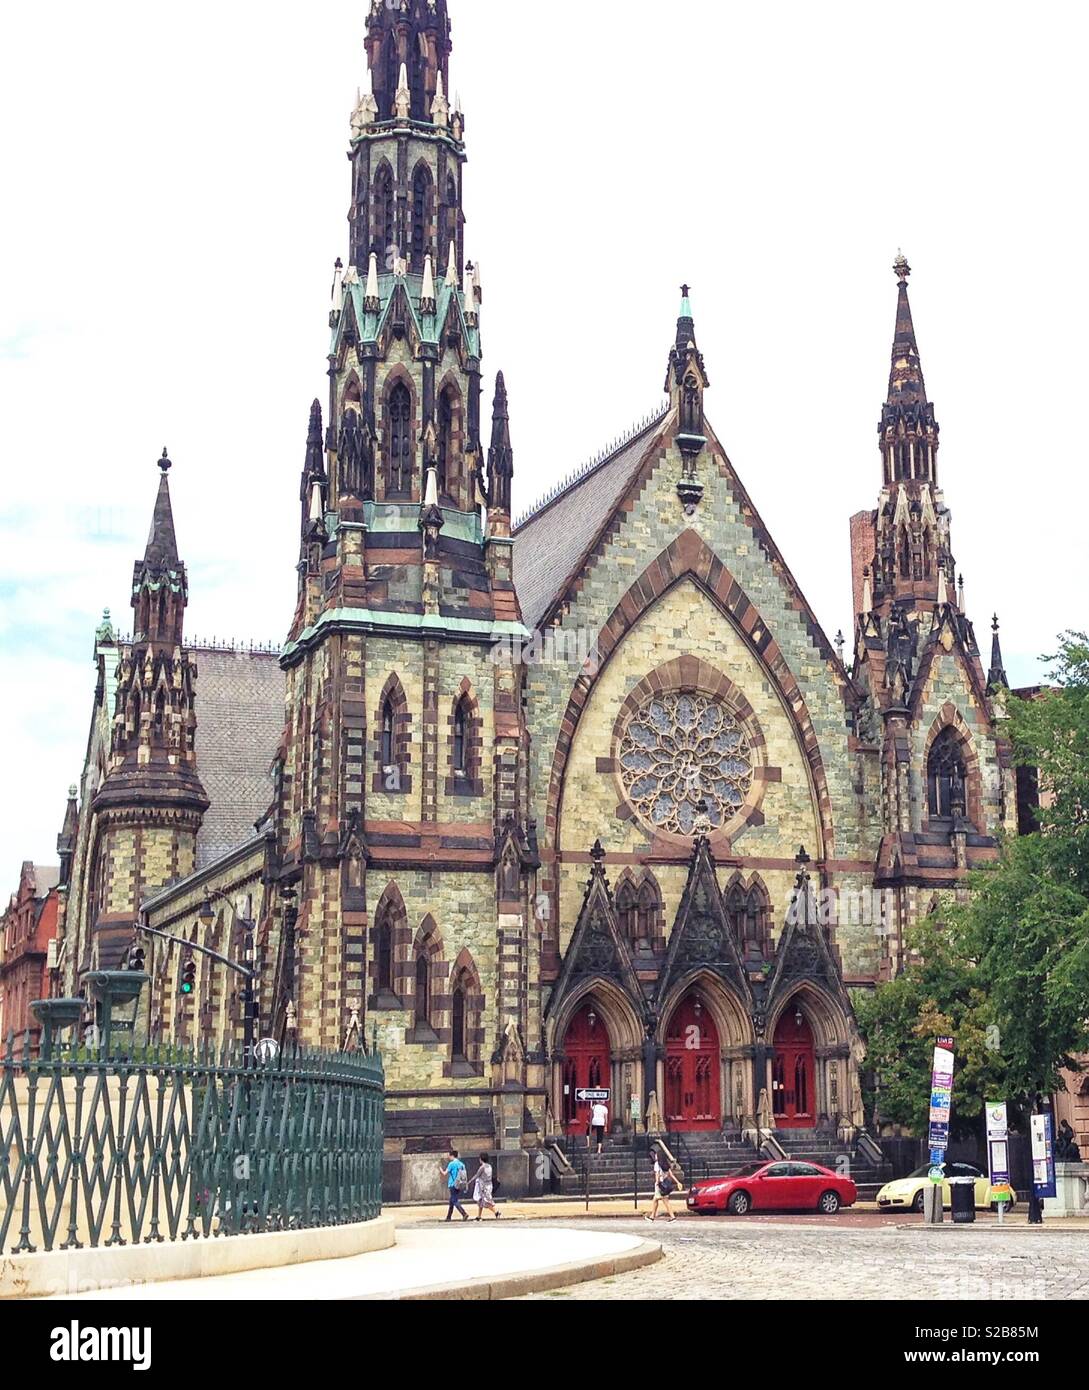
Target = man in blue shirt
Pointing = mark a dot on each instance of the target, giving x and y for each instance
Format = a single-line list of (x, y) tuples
[(455, 1182)]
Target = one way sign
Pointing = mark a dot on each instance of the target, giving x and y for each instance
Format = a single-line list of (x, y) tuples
[(585, 1094)]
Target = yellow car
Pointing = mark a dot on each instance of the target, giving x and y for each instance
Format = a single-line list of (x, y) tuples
[(907, 1193)]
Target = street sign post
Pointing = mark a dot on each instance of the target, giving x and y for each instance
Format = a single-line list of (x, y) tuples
[(589, 1094), (998, 1155)]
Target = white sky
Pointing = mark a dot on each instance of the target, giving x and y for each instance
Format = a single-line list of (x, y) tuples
[(175, 188)]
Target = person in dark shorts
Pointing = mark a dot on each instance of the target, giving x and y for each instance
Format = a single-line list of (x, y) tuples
[(599, 1123)]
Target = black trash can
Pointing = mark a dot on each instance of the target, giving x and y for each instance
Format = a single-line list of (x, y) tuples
[(964, 1199)]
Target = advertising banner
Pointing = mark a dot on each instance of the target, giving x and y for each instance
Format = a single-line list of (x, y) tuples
[(941, 1099), (1043, 1156)]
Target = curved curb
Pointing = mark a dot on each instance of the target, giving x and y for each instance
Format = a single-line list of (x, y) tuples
[(532, 1281)]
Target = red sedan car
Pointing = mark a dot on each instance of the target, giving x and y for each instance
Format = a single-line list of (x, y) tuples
[(774, 1187)]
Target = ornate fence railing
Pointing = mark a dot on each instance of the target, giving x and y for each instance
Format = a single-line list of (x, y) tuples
[(167, 1144)]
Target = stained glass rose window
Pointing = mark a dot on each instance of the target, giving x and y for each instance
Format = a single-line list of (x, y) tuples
[(679, 750)]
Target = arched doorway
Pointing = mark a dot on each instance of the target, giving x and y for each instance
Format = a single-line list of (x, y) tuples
[(587, 1065), (793, 1072), (693, 1097)]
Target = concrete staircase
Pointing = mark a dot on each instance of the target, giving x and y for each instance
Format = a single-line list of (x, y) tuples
[(813, 1146), (615, 1173), (703, 1154)]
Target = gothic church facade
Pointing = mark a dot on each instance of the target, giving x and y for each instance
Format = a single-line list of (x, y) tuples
[(606, 865)]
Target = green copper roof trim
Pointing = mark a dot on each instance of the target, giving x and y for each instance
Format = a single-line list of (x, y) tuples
[(370, 325), (367, 619)]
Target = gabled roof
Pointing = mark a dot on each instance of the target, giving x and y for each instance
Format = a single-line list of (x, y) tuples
[(551, 541)]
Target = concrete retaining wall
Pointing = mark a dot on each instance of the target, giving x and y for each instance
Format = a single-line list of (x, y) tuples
[(65, 1272)]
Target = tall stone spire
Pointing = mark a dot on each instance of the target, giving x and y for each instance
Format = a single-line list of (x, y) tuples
[(686, 381), (500, 453), (151, 802), (159, 585), (911, 526), (407, 143), (996, 676), (415, 35)]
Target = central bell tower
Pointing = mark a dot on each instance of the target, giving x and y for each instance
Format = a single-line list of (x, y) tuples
[(402, 821)]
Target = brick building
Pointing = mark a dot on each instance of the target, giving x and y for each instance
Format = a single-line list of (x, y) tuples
[(28, 931), (538, 804)]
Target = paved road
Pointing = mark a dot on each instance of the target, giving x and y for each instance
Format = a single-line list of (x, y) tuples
[(755, 1258)]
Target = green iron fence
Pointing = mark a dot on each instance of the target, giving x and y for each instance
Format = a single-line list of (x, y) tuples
[(169, 1144)]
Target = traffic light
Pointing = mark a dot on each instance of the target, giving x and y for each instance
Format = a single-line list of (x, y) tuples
[(189, 975), (136, 957)]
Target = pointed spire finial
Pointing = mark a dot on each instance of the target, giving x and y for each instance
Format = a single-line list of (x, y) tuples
[(996, 676), (900, 268), (164, 462), (452, 267)]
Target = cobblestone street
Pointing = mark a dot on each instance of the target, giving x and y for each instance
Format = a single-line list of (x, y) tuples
[(729, 1259)]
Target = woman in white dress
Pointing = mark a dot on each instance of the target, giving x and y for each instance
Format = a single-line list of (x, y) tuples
[(482, 1189)]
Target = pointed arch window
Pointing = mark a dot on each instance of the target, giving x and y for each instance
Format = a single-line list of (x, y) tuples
[(399, 442), (627, 909), (423, 988), (450, 217), (458, 1032), (388, 732), (648, 914), (461, 740), (449, 429), (383, 954), (946, 775), (905, 553), (421, 215), (384, 209)]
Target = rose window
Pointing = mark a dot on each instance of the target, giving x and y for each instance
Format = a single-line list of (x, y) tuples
[(680, 750)]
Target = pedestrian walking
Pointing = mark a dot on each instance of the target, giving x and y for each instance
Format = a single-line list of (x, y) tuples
[(599, 1121), (482, 1189), (456, 1183), (665, 1184)]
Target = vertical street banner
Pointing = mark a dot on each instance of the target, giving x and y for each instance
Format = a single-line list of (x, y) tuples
[(1043, 1156), (941, 1099)]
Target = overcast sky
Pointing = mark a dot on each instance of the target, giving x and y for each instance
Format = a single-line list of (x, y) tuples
[(175, 189)]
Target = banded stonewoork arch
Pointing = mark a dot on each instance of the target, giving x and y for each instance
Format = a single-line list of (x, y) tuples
[(392, 736), (835, 1078), (623, 1024), (390, 938), (731, 1028), (462, 1012), (693, 675), (949, 717), (689, 557), (429, 971)]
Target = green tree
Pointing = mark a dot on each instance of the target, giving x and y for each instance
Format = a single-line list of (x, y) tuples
[(938, 993), (1007, 971)]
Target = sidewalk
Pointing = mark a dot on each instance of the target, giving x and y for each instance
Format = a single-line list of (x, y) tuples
[(463, 1261)]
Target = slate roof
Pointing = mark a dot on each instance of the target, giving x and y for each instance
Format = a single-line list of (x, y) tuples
[(551, 541), (240, 717)]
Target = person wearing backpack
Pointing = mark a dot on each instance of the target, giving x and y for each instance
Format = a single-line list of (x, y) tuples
[(457, 1180), (664, 1185)]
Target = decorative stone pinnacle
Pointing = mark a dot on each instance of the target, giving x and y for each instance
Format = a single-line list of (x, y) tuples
[(597, 854), (994, 623), (900, 268), (164, 462)]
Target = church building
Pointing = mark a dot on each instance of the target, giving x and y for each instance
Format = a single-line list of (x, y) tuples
[(583, 801)]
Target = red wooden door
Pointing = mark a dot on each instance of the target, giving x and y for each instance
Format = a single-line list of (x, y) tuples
[(587, 1063), (793, 1075), (692, 1097)]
